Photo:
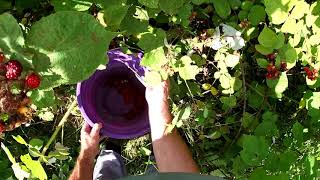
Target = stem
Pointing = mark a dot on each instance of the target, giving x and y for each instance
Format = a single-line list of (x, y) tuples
[(58, 128)]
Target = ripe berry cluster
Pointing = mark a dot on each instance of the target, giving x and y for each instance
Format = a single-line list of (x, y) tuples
[(14, 84), (272, 71), (12, 70), (312, 75)]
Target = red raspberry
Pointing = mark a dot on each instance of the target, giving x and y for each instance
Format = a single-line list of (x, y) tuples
[(14, 69), (269, 76), (308, 72), (2, 127), (271, 56), (315, 73), (2, 57), (283, 66), (270, 68), (32, 81)]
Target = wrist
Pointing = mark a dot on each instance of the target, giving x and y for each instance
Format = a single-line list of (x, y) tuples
[(86, 156)]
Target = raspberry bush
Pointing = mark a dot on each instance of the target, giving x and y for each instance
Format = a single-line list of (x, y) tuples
[(245, 86)]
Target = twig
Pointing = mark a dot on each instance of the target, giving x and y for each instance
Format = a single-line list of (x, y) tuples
[(244, 88), (244, 98), (189, 90), (58, 128)]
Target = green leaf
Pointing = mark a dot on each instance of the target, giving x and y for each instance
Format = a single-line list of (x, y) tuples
[(268, 126), (246, 5), (145, 151), (8, 153), (114, 12), (222, 8), (291, 57), (262, 63), (185, 113), (20, 140), (247, 120), (11, 37), (150, 41), (311, 170), (43, 99), (256, 94), (267, 129), (19, 171), (262, 174), (5, 5), (141, 14), (313, 102), (243, 15), (132, 25), (281, 162), (46, 115), (225, 81), (36, 143), (152, 78), (278, 10), (255, 149), (35, 167), (228, 102), (75, 48), (171, 7), (61, 152), (300, 10), (269, 116), (263, 50), (279, 85), (67, 5), (155, 59), (232, 60), (149, 3), (290, 26), (184, 14), (199, 2), (281, 39), (200, 61), (214, 135), (234, 4), (268, 38), (4, 117), (186, 70), (297, 131), (256, 15)]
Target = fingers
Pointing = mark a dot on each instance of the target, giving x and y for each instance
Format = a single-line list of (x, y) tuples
[(85, 128), (166, 83), (96, 130)]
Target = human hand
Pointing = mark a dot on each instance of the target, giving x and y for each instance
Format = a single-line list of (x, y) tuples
[(90, 138), (157, 98)]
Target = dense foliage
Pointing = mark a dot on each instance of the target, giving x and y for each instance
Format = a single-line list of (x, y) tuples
[(245, 88)]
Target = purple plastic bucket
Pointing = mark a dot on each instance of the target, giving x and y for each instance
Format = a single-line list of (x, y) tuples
[(100, 100)]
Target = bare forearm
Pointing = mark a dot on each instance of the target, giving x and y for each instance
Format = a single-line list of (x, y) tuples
[(83, 169), (173, 155), (171, 152)]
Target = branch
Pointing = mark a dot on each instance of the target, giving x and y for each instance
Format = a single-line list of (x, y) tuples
[(58, 128)]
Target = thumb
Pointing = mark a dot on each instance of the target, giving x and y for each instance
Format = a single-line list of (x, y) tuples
[(96, 130)]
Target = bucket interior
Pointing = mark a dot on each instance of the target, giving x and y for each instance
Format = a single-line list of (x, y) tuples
[(116, 98)]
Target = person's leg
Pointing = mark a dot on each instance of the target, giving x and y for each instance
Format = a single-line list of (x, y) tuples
[(109, 166)]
